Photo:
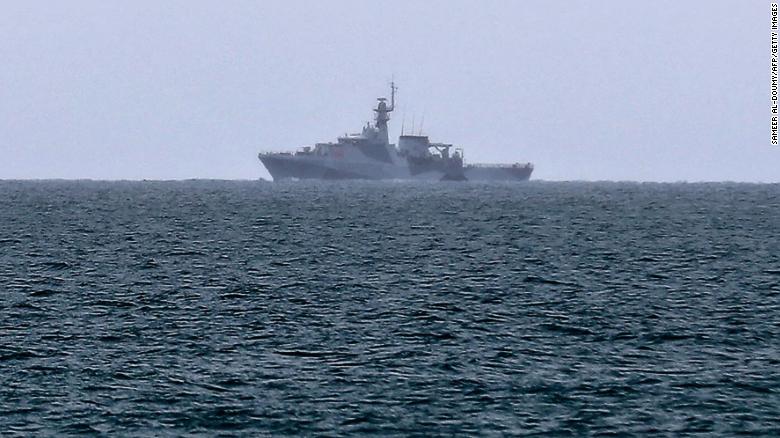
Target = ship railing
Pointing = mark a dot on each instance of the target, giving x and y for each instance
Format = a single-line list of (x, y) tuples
[(301, 151), (276, 153), (501, 165)]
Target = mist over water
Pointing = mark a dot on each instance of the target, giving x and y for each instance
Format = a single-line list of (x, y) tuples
[(665, 90), (250, 308)]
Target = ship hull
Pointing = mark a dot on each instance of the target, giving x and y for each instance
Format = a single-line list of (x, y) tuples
[(288, 166)]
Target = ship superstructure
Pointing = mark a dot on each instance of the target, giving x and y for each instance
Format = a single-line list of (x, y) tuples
[(370, 155)]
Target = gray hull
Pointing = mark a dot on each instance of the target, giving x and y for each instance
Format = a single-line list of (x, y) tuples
[(288, 166)]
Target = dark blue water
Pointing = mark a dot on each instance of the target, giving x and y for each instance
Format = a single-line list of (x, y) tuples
[(248, 308)]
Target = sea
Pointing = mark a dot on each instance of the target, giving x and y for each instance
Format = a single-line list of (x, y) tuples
[(250, 308)]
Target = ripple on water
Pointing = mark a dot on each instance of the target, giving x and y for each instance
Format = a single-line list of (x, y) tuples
[(243, 308)]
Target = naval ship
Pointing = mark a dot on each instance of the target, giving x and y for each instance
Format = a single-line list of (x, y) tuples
[(370, 155)]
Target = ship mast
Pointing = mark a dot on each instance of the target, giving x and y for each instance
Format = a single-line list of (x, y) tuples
[(382, 116), (392, 95)]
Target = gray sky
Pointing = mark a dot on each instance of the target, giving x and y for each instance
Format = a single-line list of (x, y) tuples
[(593, 90)]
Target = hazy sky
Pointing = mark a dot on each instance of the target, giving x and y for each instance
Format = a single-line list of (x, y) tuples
[(594, 90)]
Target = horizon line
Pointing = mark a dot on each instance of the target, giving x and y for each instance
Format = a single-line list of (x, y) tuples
[(260, 179)]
